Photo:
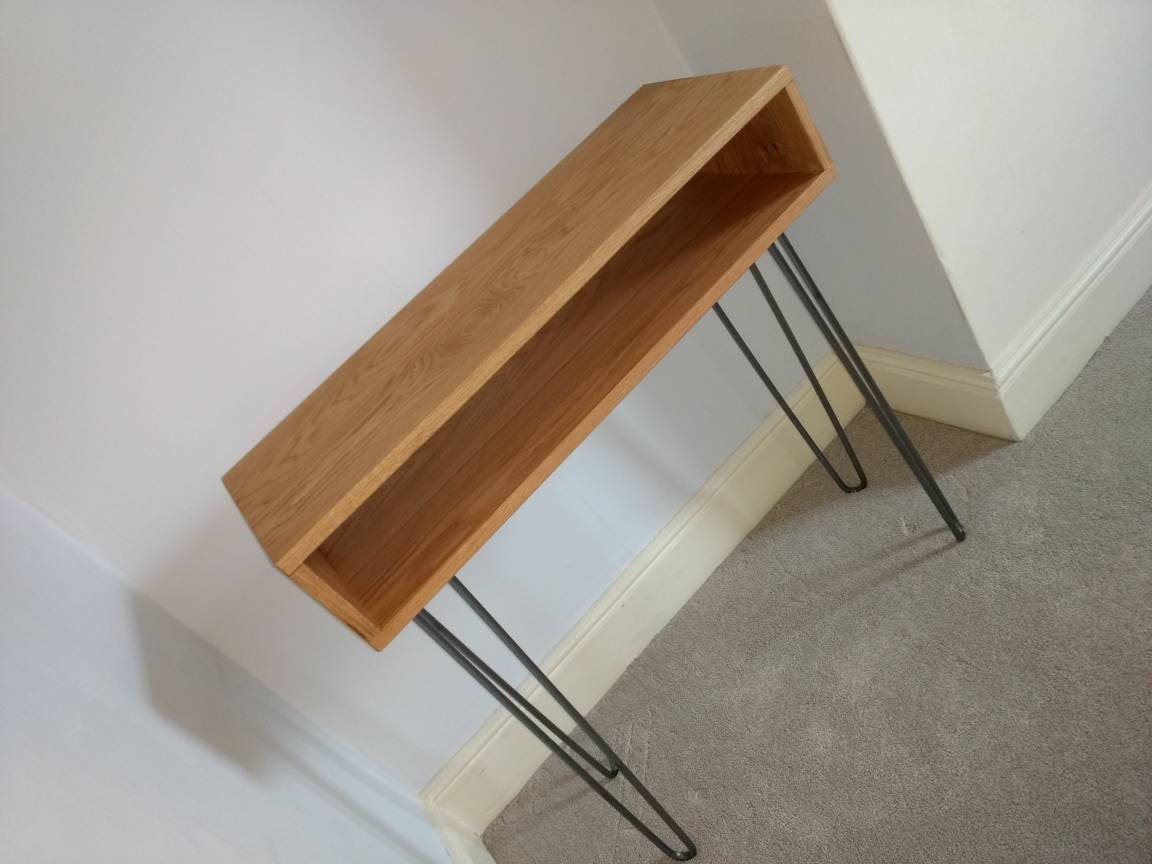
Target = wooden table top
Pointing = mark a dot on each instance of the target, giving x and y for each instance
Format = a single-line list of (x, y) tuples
[(485, 342)]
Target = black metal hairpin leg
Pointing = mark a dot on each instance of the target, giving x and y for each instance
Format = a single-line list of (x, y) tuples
[(520, 708), (520, 654), (861, 479), (786, 257)]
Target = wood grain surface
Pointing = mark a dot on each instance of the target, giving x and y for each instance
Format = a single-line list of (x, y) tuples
[(381, 484), (339, 445)]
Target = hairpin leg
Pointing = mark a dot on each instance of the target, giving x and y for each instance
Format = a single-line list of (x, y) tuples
[(861, 479), (801, 280), (523, 711), (528, 663)]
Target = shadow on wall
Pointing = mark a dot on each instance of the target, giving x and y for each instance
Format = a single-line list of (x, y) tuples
[(212, 700), (150, 743)]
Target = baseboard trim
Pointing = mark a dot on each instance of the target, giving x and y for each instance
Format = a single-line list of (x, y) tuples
[(957, 395), (343, 776), (1038, 366), (463, 846), (495, 764), (1035, 370)]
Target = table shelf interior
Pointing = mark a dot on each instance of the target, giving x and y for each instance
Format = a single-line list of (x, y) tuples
[(430, 516)]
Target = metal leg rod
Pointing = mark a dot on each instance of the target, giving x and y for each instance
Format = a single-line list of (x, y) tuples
[(786, 329), (460, 653), (536, 713), (847, 355), (543, 680), (860, 375), (862, 370), (862, 481), (809, 294)]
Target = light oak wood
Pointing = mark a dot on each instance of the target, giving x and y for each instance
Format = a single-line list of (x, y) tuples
[(353, 431), (385, 480), (778, 139), (422, 525)]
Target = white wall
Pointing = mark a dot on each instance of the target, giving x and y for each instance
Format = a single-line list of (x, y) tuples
[(1024, 131), (126, 738), (863, 240), (206, 206)]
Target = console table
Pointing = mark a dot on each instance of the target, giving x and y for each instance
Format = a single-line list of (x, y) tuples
[(382, 483)]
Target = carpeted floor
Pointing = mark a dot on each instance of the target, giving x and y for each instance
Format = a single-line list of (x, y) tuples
[(850, 686)]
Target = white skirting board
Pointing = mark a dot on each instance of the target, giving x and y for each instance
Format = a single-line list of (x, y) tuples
[(956, 395), (1038, 366), (1035, 370), (463, 846), (488, 772)]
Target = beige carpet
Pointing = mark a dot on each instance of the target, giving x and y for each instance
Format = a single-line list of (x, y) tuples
[(850, 686)]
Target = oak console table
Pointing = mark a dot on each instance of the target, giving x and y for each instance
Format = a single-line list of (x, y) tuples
[(381, 484)]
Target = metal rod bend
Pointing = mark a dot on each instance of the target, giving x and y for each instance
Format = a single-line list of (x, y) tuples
[(805, 287), (513, 702), (845, 486)]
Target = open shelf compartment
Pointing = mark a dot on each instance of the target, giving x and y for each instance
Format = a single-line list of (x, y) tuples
[(430, 516), (382, 563)]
